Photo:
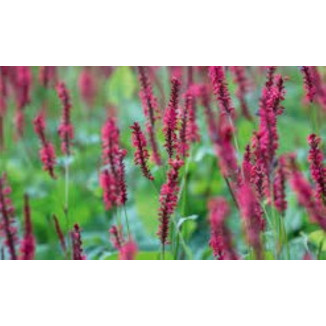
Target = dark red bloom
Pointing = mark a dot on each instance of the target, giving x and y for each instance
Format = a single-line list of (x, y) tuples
[(309, 84), (239, 77), (306, 196), (66, 129), (77, 245), (252, 215), (141, 154), (60, 234), (221, 91), (47, 153), (185, 128), (112, 178), (48, 76), (171, 119), (23, 86), (27, 246), (317, 169), (279, 186), (151, 111), (7, 220), (87, 86), (221, 240), (168, 199)]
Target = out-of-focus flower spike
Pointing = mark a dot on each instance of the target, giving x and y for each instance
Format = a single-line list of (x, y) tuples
[(77, 245)]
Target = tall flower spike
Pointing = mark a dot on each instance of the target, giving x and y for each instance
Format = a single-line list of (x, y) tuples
[(309, 84), (151, 111), (141, 154), (60, 235), (168, 199), (7, 218), (77, 249), (66, 129), (48, 76), (280, 202), (221, 91), (47, 153), (239, 77), (252, 216), (317, 169), (87, 87), (221, 240), (185, 132), (27, 247), (171, 118)]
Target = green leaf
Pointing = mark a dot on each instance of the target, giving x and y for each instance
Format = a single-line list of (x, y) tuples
[(318, 238)]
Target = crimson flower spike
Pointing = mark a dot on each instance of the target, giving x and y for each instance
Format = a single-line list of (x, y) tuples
[(87, 86), (185, 132), (221, 240), (27, 247), (151, 111), (168, 199), (171, 118), (47, 76), (141, 154), (309, 83), (112, 178), (317, 169), (280, 202), (239, 77), (7, 218), (306, 195), (252, 216), (77, 249), (221, 91), (47, 153), (66, 129), (60, 234), (127, 249)]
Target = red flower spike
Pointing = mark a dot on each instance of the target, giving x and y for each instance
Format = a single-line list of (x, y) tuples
[(7, 210), (171, 119), (221, 240), (77, 249), (309, 84), (141, 154), (168, 199), (27, 246), (66, 129), (280, 202), (48, 76), (47, 152), (87, 86)]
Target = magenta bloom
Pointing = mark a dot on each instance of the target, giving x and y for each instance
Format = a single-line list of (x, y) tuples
[(252, 216), (317, 169), (279, 186), (7, 220), (221, 91), (87, 86), (23, 86), (66, 129), (151, 111), (309, 83), (239, 77), (141, 154), (27, 246), (171, 119), (77, 245), (47, 152), (169, 199), (186, 128), (48, 76), (112, 179), (221, 240)]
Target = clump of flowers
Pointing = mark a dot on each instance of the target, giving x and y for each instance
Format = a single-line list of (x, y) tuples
[(220, 240), (66, 129), (47, 152), (112, 178), (168, 199), (141, 154), (27, 246), (171, 119), (77, 245), (7, 210)]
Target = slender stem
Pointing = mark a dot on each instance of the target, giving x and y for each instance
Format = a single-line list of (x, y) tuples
[(127, 221), (66, 205)]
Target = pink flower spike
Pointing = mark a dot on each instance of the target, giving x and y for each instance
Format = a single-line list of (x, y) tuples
[(309, 83), (77, 249)]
